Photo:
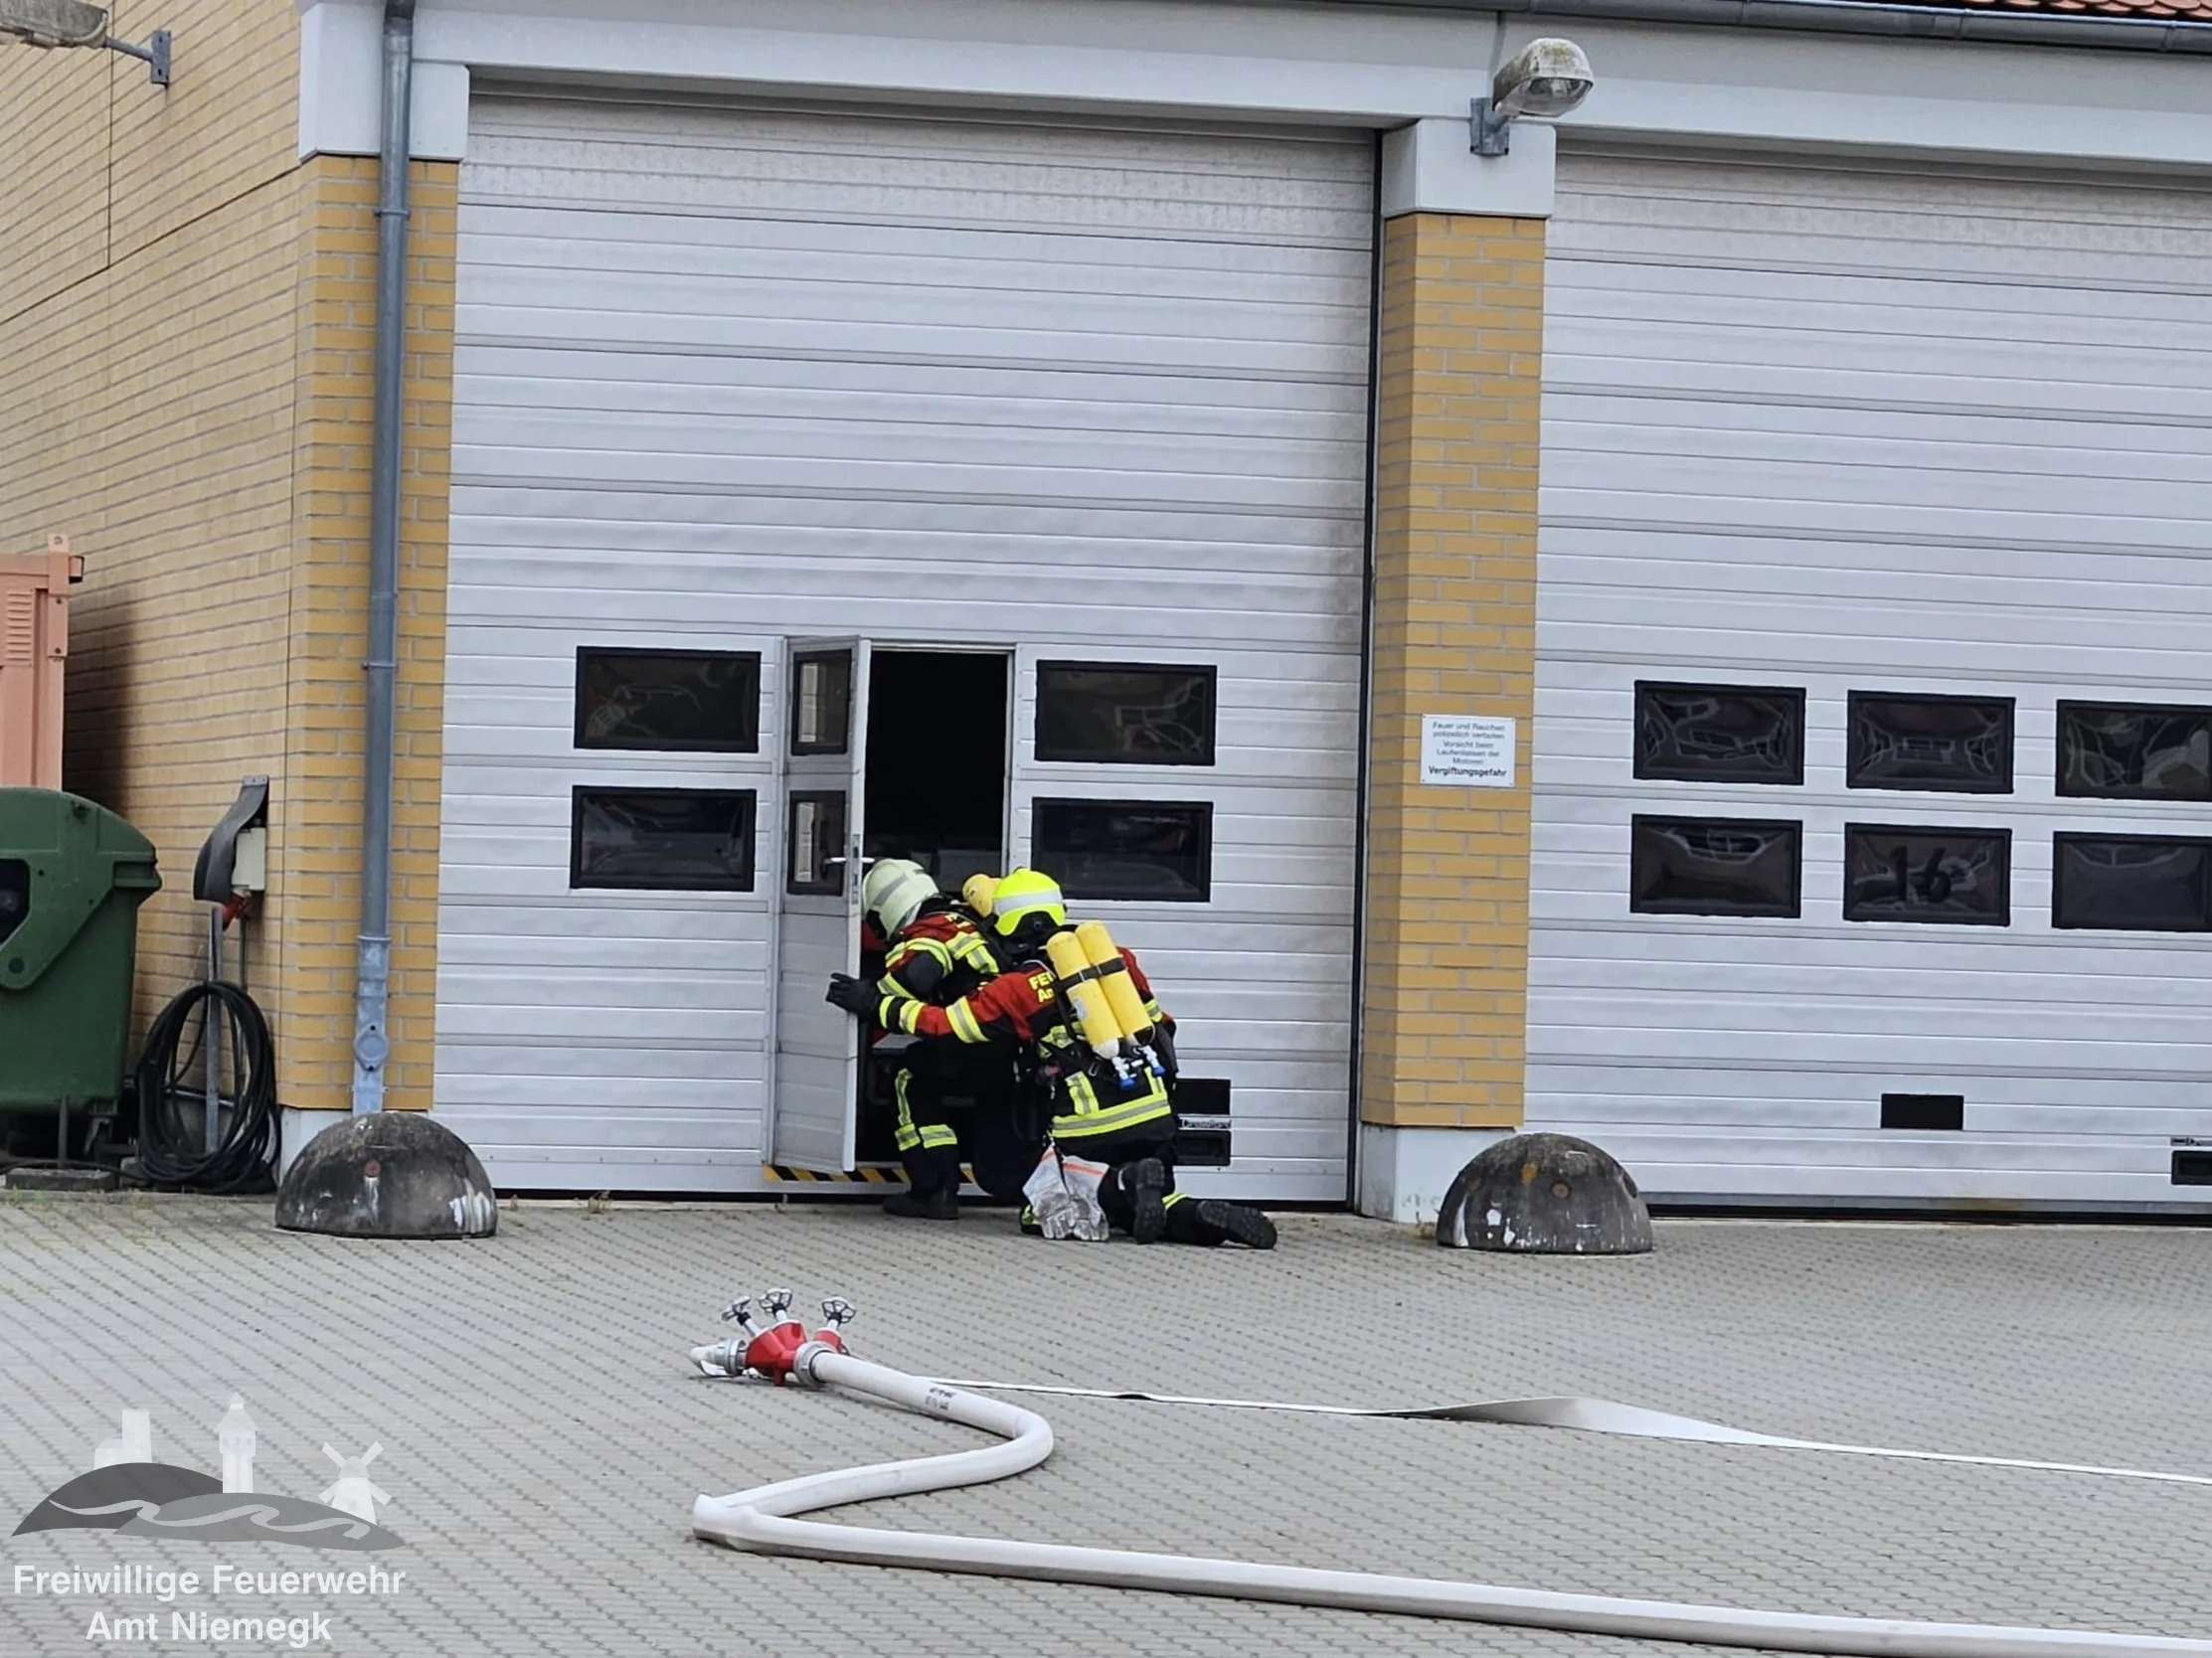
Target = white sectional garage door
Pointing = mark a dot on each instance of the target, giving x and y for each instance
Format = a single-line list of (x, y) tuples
[(728, 378), (1818, 431)]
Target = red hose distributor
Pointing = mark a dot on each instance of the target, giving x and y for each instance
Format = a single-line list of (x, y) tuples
[(773, 1353)]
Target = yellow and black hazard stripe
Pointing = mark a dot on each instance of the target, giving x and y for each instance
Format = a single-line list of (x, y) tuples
[(869, 1174)]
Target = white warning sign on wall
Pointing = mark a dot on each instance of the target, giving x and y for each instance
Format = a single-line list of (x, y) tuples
[(1470, 750)]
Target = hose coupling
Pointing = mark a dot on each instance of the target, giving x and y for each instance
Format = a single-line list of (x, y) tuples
[(724, 1358)]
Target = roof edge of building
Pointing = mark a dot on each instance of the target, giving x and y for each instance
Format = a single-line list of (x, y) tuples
[(1997, 24)]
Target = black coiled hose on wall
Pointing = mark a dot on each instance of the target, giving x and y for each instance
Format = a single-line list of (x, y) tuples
[(170, 1150)]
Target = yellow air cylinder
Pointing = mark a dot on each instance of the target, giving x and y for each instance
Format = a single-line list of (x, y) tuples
[(1101, 952), (1093, 1014), (976, 894)]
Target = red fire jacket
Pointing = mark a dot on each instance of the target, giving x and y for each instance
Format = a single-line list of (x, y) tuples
[(1021, 1003)]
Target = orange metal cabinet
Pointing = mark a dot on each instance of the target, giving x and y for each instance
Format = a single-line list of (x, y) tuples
[(34, 650)]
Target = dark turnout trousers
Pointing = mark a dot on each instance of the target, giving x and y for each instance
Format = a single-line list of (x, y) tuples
[(1139, 1197)]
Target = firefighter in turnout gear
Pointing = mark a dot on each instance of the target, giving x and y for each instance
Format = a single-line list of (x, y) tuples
[(1068, 996), (933, 952)]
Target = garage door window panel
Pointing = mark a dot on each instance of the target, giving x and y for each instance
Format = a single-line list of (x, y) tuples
[(2132, 883), (1720, 734), (667, 840), (690, 701), (2134, 752), (1953, 876), (1683, 865), (1954, 744), (821, 702), (1144, 851), (1126, 714), (816, 838)]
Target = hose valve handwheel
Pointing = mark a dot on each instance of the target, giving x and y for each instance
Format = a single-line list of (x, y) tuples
[(778, 1302), (837, 1312)]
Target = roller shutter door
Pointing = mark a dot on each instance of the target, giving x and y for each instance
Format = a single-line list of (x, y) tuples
[(728, 378), (1829, 430)]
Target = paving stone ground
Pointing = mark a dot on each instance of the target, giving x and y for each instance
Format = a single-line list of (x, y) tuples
[(543, 1442)]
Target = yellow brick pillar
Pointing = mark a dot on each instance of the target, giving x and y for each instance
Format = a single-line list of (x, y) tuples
[(1444, 1014), (319, 848)]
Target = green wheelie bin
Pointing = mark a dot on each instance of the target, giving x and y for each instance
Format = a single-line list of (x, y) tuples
[(72, 878)]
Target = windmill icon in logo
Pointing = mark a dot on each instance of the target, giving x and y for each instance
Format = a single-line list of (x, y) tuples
[(353, 1492)]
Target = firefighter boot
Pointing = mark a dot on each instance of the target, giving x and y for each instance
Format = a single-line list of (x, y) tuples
[(1210, 1221), (1144, 1184), (937, 1202)]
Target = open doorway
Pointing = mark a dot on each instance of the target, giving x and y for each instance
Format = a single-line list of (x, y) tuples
[(935, 792), (936, 761)]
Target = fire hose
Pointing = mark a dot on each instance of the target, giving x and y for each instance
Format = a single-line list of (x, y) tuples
[(767, 1520)]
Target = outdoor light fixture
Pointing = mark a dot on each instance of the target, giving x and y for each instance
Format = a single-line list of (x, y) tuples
[(48, 23), (1544, 80)]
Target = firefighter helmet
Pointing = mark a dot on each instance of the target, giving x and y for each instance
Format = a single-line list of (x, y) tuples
[(1026, 897), (894, 891)]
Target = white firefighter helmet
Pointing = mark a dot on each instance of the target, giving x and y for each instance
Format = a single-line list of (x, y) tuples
[(894, 891)]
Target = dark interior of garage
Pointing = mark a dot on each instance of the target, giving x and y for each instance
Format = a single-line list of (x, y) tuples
[(936, 761)]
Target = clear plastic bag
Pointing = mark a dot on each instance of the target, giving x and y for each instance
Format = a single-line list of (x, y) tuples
[(1063, 1193)]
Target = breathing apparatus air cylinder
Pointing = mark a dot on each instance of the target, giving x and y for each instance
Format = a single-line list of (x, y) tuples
[(1084, 997), (1105, 959)]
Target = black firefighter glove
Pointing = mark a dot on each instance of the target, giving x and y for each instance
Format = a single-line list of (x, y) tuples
[(851, 994)]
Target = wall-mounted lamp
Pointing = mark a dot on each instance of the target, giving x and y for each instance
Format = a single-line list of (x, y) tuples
[(50, 23), (1543, 81)]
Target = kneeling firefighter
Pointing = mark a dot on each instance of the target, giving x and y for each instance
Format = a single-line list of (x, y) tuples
[(1102, 1048), (935, 952)]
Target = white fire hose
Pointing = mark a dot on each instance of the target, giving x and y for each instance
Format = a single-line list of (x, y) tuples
[(766, 1520)]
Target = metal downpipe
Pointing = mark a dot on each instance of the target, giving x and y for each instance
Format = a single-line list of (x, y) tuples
[(373, 956)]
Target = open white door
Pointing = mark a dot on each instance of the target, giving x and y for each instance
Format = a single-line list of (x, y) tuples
[(817, 1047)]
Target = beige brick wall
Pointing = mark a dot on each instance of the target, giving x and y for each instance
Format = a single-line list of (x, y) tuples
[(185, 368), (100, 163), (151, 410), (53, 188), (228, 124), (1444, 1020)]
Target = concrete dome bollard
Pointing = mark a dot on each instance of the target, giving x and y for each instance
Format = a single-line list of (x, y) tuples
[(388, 1173), (1545, 1195)]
